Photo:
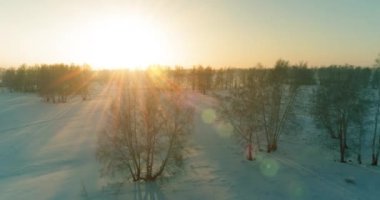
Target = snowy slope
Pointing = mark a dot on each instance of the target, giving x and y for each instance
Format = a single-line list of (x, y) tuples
[(48, 152)]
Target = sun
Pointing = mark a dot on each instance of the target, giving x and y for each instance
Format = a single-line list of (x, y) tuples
[(123, 42)]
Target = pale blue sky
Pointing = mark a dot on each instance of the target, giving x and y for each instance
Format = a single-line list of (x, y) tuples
[(187, 32)]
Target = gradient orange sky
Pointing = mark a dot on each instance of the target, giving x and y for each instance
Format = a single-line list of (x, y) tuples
[(220, 33)]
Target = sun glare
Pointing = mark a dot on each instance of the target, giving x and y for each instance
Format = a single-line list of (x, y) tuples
[(123, 43)]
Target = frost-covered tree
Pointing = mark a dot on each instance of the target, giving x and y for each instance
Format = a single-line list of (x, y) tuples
[(241, 108), (263, 104), (145, 135), (277, 103)]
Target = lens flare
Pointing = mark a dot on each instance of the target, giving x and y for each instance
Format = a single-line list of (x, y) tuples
[(208, 116), (225, 129), (269, 167)]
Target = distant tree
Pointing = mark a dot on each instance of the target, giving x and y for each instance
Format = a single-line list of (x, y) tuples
[(377, 61), (9, 79), (178, 76), (20, 79), (219, 79), (81, 82), (193, 78), (230, 78), (2, 71), (201, 78), (45, 79), (53, 83), (301, 75), (375, 82), (145, 134)]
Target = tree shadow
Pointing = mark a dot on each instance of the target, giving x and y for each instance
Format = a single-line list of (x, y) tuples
[(135, 191), (148, 191)]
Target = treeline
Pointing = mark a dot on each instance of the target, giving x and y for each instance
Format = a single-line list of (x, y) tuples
[(344, 99), (203, 78), (54, 83), (259, 102)]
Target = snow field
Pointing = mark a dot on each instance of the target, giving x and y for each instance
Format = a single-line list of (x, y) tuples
[(47, 151)]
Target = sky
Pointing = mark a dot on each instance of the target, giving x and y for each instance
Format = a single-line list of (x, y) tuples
[(219, 33)]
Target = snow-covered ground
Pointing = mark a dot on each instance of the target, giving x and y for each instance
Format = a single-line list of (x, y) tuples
[(47, 151)]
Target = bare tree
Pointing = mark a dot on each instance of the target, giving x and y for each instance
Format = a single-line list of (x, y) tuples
[(359, 119), (375, 140), (338, 104), (145, 134), (263, 104), (240, 107), (277, 103)]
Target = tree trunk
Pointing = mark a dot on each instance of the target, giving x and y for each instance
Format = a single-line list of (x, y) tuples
[(345, 132), (249, 148), (360, 144), (359, 159), (272, 146), (258, 142), (341, 144), (249, 152), (374, 160), (374, 156), (342, 151), (378, 151), (345, 142)]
